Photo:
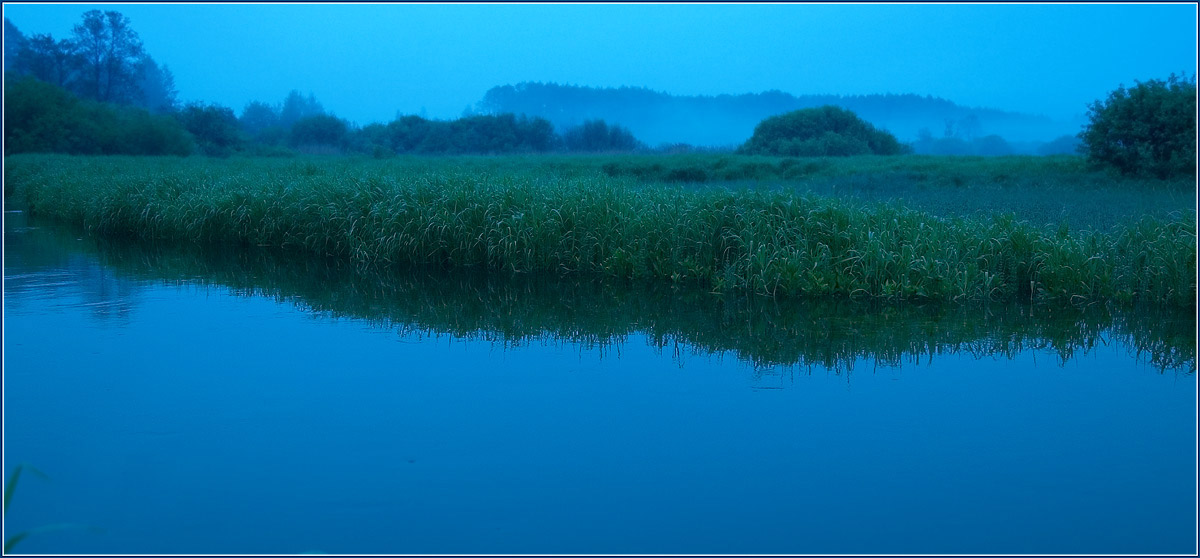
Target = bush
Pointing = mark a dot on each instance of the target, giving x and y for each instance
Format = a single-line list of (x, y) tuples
[(44, 118), (992, 145), (151, 134), (820, 132), (215, 128), (257, 118), (39, 117), (501, 133), (1149, 129), (321, 130), (479, 134), (596, 135)]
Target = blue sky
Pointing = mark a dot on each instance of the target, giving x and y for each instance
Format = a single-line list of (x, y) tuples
[(367, 62)]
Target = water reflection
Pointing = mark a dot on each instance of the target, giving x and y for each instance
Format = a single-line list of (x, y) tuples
[(834, 334), (41, 262)]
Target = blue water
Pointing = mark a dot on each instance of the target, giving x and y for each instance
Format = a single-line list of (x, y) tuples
[(181, 416)]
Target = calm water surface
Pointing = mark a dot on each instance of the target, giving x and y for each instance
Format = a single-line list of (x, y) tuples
[(199, 404)]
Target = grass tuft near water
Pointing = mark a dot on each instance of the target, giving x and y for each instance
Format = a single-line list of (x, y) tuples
[(504, 218)]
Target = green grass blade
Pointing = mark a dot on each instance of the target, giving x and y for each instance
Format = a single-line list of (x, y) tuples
[(8, 490), (13, 540), (11, 484)]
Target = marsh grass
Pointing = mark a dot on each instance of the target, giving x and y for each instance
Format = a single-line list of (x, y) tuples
[(1045, 191), (561, 217)]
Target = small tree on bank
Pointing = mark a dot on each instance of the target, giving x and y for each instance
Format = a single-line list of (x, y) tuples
[(1148, 129)]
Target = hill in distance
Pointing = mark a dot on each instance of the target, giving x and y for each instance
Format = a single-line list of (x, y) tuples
[(658, 118)]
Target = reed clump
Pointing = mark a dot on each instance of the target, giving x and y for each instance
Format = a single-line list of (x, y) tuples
[(775, 243)]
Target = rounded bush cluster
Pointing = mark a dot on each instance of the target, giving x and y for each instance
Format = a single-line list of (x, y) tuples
[(1148, 129), (820, 132)]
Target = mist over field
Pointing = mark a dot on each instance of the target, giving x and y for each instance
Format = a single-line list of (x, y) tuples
[(728, 120), (703, 75), (599, 279)]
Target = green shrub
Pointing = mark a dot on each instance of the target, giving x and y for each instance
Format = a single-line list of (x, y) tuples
[(151, 134), (478, 134), (320, 130), (596, 135), (40, 117), (215, 128), (1149, 129), (44, 118), (820, 132)]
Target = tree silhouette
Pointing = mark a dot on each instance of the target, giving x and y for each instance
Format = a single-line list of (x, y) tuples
[(108, 53)]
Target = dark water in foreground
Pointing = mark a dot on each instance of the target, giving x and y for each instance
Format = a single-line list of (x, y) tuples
[(187, 402)]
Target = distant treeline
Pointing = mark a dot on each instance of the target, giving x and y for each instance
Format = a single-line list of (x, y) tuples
[(729, 120), (100, 92), (44, 118)]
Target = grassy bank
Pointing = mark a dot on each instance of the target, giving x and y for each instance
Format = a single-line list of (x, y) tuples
[(522, 309), (560, 216)]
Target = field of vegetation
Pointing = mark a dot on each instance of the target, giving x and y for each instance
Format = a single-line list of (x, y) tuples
[(909, 227)]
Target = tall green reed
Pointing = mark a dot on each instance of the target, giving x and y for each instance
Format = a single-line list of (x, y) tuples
[(773, 243)]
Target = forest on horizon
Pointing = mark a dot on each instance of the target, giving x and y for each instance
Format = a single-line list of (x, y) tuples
[(102, 80)]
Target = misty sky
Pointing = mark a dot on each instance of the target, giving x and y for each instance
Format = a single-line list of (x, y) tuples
[(367, 62)]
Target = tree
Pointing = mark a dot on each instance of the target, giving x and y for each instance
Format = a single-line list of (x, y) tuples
[(969, 127), (537, 134), (372, 139), (950, 131), (481, 133), (407, 133), (156, 85), (296, 107), (13, 41), (319, 130), (819, 132), (40, 117), (260, 121), (46, 59), (109, 51), (1149, 129), (214, 127), (596, 135)]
